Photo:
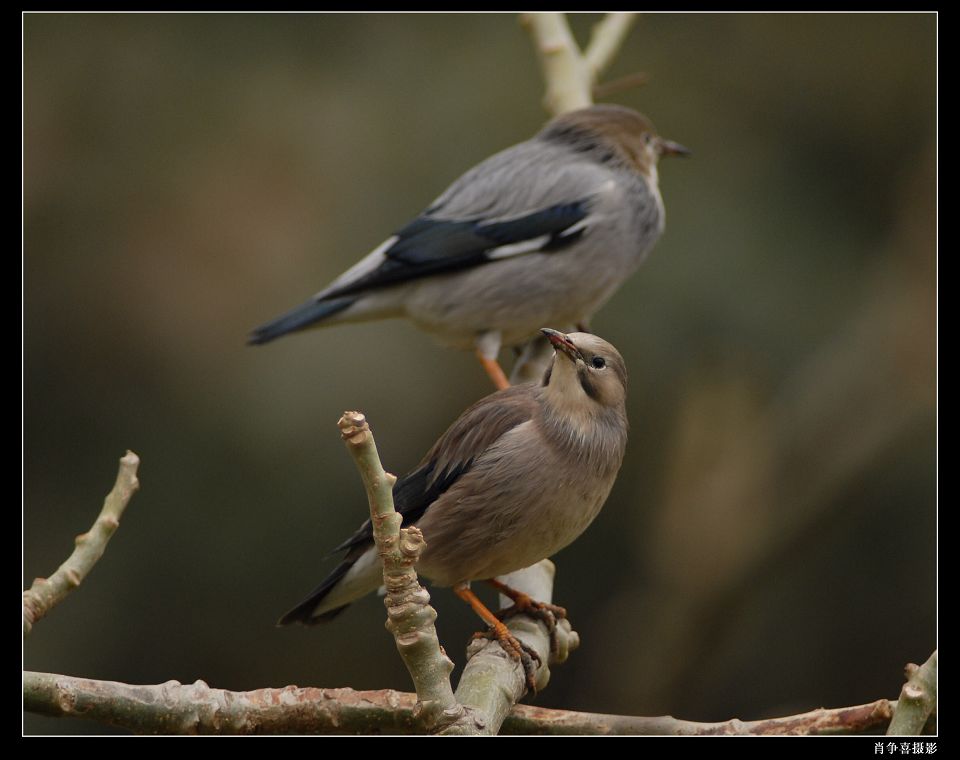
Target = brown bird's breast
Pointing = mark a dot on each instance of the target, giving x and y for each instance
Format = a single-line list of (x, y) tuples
[(517, 505)]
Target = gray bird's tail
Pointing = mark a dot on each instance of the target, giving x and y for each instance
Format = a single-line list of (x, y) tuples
[(300, 318)]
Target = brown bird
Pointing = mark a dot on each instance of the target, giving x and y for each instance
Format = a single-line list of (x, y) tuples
[(515, 479)]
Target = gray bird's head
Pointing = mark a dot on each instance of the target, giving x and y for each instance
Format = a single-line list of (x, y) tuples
[(613, 135), (587, 375)]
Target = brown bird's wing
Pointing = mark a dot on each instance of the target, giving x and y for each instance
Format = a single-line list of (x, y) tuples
[(478, 428)]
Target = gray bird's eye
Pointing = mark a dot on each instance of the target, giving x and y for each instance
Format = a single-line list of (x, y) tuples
[(598, 362)]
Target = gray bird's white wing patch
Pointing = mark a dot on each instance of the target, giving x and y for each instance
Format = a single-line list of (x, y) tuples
[(362, 268)]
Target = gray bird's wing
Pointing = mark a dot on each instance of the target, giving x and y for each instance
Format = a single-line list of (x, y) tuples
[(430, 245), (532, 197), (452, 455)]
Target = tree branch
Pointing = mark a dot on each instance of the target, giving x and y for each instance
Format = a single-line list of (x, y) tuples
[(564, 68), (605, 40), (570, 77), (46, 593), (492, 681), (842, 720), (410, 617), (918, 699), (172, 708)]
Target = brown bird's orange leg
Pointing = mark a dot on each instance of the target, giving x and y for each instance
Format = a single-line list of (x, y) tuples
[(511, 645), (494, 371), (527, 605)]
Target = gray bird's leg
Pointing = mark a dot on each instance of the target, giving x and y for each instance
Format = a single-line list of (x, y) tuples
[(527, 656), (526, 605), (488, 347)]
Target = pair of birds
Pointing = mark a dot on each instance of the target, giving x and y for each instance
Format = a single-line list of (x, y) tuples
[(541, 233)]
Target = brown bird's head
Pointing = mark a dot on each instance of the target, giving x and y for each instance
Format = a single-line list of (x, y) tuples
[(613, 135), (587, 373)]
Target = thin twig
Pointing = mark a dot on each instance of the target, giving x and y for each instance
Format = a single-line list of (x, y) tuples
[(842, 720), (46, 593), (606, 39), (621, 84), (918, 699), (172, 708)]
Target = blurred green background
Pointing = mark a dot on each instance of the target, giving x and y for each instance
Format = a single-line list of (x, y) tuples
[(770, 545)]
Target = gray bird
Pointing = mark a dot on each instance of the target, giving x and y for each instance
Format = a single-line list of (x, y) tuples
[(515, 479), (541, 233)]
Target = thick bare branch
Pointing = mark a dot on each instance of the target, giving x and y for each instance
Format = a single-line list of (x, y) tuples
[(172, 708), (410, 618), (46, 593), (492, 681), (564, 68), (918, 699)]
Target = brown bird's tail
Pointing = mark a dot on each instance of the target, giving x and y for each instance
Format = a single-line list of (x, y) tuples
[(358, 575)]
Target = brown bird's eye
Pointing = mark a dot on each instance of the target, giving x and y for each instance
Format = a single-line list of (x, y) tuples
[(598, 362)]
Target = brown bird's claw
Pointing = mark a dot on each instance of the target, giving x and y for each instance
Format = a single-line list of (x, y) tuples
[(526, 655), (523, 604), (548, 614), (497, 631)]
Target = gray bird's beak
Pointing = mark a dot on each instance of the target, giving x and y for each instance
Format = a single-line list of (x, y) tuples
[(671, 148), (562, 344)]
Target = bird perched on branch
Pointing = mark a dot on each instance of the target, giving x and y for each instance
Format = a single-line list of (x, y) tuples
[(541, 233), (516, 478)]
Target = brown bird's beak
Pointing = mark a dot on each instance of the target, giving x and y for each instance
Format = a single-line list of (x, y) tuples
[(562, 344), (671, 148)]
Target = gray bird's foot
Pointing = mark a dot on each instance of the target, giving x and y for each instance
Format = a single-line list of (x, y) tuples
[(526, 655), (494, 372)]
